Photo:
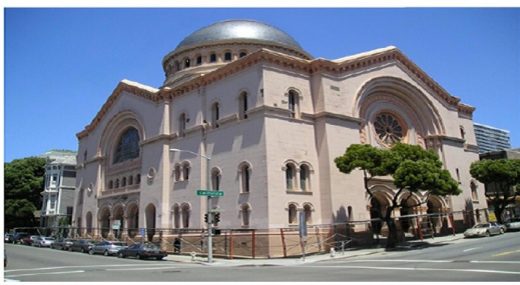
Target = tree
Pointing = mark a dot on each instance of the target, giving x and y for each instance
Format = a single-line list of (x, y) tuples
[(412, 168), (23, 183), (502, 179)]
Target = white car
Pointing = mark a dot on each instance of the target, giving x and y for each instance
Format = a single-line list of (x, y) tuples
[(484, 230), (43, 242)]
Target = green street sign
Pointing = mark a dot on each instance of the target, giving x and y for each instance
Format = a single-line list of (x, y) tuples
[(210, 193)]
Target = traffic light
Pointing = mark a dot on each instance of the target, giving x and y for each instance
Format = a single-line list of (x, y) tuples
[(216, 218), (206, 218)]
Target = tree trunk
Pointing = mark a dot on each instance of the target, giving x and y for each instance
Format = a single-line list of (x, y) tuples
[(392, 228)]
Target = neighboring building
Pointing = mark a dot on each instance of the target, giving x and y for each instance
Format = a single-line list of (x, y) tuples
[(490, 138), (512, 210), (273, 119), (60, 182)]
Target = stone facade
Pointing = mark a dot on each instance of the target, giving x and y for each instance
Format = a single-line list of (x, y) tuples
[(272, 123)]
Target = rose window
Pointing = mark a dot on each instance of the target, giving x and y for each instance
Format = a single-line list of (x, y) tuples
[(388, 129)]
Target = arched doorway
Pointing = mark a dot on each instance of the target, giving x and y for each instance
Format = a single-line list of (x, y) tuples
[(408, 204), (150, 221), (133, 220), (104, 222), (378, 207), (118, 222), (434, 211)]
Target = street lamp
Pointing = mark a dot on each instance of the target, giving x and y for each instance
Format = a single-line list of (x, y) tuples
[(208, 205)]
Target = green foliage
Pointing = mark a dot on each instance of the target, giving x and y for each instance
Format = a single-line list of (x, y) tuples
[(23, 183), (503, 171)]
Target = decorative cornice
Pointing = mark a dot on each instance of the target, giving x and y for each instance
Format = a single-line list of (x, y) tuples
[(134, 88)]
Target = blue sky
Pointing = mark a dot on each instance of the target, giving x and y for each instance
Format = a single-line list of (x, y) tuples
[(61, 64)]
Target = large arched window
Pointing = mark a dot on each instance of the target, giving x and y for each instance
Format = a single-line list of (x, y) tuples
[(304, 177), (245, 177), (127, 146), (389, 129), (186, 215)]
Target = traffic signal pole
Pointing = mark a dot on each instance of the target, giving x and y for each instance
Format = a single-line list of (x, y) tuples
[(210, 231)]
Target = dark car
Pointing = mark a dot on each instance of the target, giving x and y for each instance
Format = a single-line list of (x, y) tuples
[(28, 240), (107, 247), (63, 243), (142, 250), (82, 245), (8, 238), (19, 236)]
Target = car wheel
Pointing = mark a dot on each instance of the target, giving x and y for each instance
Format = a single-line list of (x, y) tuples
[(91, 252), (70, 249), (105, 253), (138, 256), (120, 255), (488, 234), (501, 231)]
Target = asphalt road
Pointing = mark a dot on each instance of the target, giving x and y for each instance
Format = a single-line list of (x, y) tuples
[(495, 258)]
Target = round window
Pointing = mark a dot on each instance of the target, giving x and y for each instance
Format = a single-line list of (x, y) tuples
[(388, 129)]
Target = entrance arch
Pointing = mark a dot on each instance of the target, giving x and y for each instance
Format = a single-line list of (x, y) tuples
[(434, 209), (133, 220), (104, 222), (119, 219), (150, 221)]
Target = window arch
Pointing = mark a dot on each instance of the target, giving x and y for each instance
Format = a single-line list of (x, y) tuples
[(245, 177), (177, 172), (307, 209), (243, 105), (242, 53), (213, 57), (215, 114), (176, 216), (290, 176), (293, 214), (228, 56), (305, 177), (187, 62), (186, 211), (294, 103), (216, 177), (182, 124), (245, 211), (198, 60), (127, 146), (186, 168)]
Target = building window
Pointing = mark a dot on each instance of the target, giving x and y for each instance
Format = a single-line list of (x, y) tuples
[(127, 146), (242, 54), (293, 102), (213, 57), (307, 209), (199, 60), (293, 214), (182, 124), (138, 179), (474, 194), (123, 182), (388, 129), (304, 177), (245, 176), (176, 216), (186, 171), (177, 172), (130, 180), (243, 105), (177, 65), (186, 216), (457, 172), (110, 184), (246, 213), (53, 202), (462, 133), (117, 183), (187, 62), (215, 114), (349, 214), (290, 174), (227, 56), (215, 179)]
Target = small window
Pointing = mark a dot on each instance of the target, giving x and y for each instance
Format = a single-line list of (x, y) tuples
[(176, 216), (243, 105), (182, 124), (110, 184), (293, 214), (293, 103), (187, 62), (307, 209), (186, 216), (215, 179), (123, 182), (462, 133), (186, 171), (290, 173), (215, 114), (227, 56), (138, 179), (130, 180), (213, 57), (304, 177), (457, 172), (117, 183), (199, 60), (242, 54), (245, 177), (177, 172)]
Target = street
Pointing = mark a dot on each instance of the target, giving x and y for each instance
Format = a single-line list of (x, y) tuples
[(495, 258)]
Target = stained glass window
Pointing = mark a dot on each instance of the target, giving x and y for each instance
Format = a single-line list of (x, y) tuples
[(388, 129), (128, 146)]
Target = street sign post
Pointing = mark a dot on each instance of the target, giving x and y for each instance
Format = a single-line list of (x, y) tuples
[(210, 193)]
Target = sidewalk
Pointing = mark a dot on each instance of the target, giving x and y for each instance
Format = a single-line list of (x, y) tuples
[(311, 258)]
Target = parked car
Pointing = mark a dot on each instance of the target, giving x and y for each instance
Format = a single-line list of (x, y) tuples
[(19, 236), (82, 245), (8, 238), (485, 229), (42, 241), (142, 250), (107, 247), (513, 224), (28, 240), (62, 243)]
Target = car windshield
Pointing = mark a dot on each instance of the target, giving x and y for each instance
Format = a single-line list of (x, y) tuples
[(150, 246), (118, 244), (481, 226), (48, 238)]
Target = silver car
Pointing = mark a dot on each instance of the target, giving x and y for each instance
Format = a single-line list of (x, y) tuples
[(513, 224), (484, 230), (107, 247), (43, 241)]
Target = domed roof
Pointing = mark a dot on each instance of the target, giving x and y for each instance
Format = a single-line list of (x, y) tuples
[(239, 29)]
